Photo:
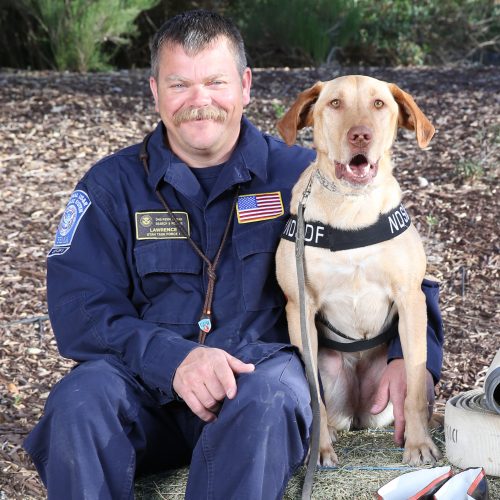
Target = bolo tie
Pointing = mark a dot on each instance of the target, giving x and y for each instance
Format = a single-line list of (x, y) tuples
[(205, 322)]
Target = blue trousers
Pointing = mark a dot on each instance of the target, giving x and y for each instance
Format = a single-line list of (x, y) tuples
[(101, 428)]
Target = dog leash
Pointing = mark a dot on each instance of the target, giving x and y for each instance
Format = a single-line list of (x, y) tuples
[(311, 370)]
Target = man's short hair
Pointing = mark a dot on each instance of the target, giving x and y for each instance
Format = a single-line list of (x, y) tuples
[(194, 30)]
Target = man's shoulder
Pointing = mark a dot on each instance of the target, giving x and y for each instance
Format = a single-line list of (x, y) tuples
[(278, 150), (126, 159), (287, 160)]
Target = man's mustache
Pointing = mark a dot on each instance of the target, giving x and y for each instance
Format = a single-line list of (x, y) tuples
[(205, 113)]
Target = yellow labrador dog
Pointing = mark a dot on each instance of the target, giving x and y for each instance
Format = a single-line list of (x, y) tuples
[(364, 292)]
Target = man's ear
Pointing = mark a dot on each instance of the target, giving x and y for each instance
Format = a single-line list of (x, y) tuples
[(246, 84), (300, 115), (154, 90), (411, 117)]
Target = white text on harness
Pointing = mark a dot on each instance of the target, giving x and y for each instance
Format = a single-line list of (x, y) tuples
[(398, 219), (311, 232)]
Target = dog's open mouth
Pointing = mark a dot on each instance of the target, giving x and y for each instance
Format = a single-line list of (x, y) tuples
[(358, 171)]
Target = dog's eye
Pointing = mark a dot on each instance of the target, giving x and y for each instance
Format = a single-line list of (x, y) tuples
[(335, 103), (378, 103)]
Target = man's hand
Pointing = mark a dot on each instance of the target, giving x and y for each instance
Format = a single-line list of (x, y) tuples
[(392, 387), (205, 378)]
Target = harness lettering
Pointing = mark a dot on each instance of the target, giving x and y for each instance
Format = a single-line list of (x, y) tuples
[(398, 219), (312, 232), (317, 234)]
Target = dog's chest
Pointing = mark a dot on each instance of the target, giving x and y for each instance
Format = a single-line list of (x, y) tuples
[(350, 288)]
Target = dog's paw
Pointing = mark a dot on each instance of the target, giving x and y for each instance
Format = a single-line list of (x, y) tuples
[(425, 452), (327, 456), (333, 434)]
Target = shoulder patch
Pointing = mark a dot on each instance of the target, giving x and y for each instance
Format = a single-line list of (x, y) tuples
[(260, 206), (78, 204)]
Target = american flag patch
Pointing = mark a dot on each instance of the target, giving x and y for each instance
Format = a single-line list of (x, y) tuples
[(261, 206)]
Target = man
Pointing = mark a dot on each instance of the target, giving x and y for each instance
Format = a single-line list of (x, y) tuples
[(161, 285)]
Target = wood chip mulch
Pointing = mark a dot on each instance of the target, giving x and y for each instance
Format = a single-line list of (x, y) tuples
[(54, 126)]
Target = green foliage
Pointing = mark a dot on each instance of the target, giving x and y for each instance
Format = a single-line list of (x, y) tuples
[(304, 31), (90, 34), (279, 109), (469, 170), (405, 32), (374, 32), (78, 29), (486, 163)]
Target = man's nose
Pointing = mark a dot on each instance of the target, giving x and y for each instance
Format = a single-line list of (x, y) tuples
[(199, 96)]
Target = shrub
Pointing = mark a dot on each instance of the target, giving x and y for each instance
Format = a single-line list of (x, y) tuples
[(299, 31), (405, 32), (372, 32), (76, 30)]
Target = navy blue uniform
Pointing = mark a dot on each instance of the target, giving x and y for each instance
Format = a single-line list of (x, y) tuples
[(125, 293)]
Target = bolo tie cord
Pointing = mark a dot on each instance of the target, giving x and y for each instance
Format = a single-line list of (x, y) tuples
[(205, 323)]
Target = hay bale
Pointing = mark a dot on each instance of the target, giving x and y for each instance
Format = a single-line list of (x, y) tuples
[(368, 460)]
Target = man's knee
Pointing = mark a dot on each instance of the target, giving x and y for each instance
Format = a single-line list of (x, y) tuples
[(92, 388), (277, 387)]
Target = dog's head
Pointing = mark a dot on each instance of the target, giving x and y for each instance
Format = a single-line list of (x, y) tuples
[(355, 120)]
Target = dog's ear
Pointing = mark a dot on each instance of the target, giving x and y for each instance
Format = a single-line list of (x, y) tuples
[(411, 117), (300, 115)]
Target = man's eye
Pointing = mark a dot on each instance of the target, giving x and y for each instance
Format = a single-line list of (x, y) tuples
[(216, 82)]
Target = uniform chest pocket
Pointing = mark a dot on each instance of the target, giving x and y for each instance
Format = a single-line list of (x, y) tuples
[(170, 274), (256, 249)]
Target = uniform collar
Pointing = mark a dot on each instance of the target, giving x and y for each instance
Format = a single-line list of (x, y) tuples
[(249, 157)]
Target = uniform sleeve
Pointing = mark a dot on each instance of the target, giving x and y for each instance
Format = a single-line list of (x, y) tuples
[(435, 335), (93, 295)]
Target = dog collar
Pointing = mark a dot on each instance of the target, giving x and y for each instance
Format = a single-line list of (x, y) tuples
[(317, 234)]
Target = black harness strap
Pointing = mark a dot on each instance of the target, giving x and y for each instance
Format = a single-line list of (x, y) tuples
[(318, 234), (356, 345)]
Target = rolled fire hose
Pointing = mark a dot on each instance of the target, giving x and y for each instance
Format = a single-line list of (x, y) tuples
[(472, 425)]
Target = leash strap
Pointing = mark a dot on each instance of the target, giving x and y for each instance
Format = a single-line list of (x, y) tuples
[(389, 333), (311, 370)]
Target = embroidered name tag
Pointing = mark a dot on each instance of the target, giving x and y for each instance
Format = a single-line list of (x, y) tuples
[(317, 234), (160, 225), (261, 206)]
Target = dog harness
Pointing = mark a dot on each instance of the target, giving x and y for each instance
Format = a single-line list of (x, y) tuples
[(318, 234), (355, 345)]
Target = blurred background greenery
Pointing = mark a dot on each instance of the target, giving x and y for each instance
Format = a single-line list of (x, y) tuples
[(95, 35)]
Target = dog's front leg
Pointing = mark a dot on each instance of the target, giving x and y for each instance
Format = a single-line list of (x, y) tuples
[(327, 455), (419, 447)]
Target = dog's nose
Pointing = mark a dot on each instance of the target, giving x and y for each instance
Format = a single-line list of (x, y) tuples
[(359, 136)]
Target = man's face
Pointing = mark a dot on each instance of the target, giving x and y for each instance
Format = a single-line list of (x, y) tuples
[(200, 99)]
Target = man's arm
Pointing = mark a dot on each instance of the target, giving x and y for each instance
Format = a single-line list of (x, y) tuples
[(94, 296), (435, 335), (392, 386)]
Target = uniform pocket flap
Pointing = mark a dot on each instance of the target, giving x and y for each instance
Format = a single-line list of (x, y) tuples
[(167, 257), (258, 238)]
